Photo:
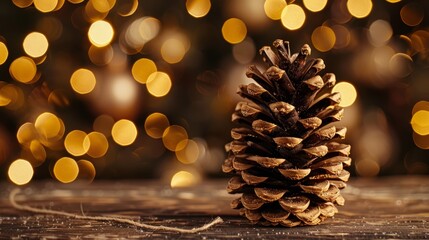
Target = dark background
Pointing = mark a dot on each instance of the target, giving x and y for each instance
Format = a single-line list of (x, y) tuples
[(203, 97)]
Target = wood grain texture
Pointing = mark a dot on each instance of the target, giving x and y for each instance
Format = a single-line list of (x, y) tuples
[(378, 208)]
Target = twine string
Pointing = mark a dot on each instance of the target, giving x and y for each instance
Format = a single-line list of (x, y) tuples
[(16, 205)]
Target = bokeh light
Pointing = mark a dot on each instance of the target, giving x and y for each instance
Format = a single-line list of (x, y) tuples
[(100, 56), (380, 32), (26, 133), (124, 132), (293, 17), (401, 65), (75, 144), (155, 125), (35, 44), (359, 8), (315, 5), (38, 152), (100, 33), (142, 69), (22, 3), (173, 50), (198, 8), (412, 14), (83, 81), (4, 53), (189, 151), (421, 141), (141, 31), (66, 170), (348, 93), (323, 38), (342, 36), (158, 84), (20, 172), (23, 69), (420, 105), (234, 30), (87, 171), (420, 122), (45, 6), (183, 179), (273, 8), (172, 136), (49, 126), (98, 144)]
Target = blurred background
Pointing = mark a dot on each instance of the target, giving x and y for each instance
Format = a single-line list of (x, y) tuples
[(106, 89)]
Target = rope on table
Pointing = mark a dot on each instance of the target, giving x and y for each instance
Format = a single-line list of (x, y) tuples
[(22, 207)]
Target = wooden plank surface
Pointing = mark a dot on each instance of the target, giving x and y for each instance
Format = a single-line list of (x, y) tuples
[(378, 208)]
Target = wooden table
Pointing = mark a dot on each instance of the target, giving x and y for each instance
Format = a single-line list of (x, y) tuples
[(377, 208)]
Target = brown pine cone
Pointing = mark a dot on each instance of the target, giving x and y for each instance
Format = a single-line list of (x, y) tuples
[(286, 162)]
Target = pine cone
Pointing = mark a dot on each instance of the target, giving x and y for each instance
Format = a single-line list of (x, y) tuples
[(284, 157)]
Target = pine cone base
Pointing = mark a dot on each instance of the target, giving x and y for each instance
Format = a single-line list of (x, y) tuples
[(285, 156)]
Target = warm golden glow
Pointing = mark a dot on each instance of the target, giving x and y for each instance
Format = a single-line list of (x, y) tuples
[(380, 32), (45, 5), (4, 53), (323, 38), (49, 127), (393, 1), (158, 84), (420, 105), (66, 170), (189, 151), (141, 31), (348, 93), (11, 96), (20, 172), (35, 44), (198, 8), (22, 3), (234, 30), (412, 14), (142, 69), (315, 5), (273, 8), (98, 144), (103, 6), (86, 171), (100, 33), (38, 152), (123, 84), (23, 69), (173, 50), (183, 179), (420, 122), (172, 136), (83, 81), (155, 125), (124, 132), (75, 144), (26, 133), (293, 17), (359, 8)]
